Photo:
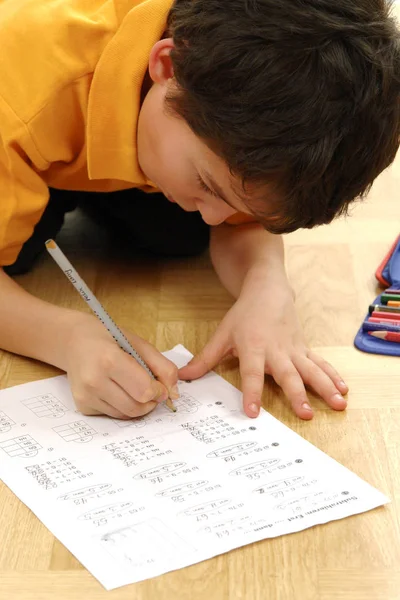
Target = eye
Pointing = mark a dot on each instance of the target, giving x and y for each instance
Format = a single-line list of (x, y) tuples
[(205, 187)]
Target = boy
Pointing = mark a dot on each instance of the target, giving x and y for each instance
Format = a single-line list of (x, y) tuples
[(255, 117)]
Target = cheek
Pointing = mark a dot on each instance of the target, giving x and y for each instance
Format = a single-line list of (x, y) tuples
[(164, 152), (176, 174)]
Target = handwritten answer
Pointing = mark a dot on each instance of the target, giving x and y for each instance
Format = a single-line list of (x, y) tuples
[(23, 446), (83, 495), (105, 514), (213, 428), (54, 473), (136, 499), (133, 452), (45, 405), (77, 431), (5, 422)]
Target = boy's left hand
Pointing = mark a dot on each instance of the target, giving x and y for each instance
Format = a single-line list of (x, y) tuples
[(262, 330)]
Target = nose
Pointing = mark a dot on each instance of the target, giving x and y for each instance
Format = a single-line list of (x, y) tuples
[(215, 214)]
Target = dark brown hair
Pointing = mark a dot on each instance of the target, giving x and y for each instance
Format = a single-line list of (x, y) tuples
[(304, 94)]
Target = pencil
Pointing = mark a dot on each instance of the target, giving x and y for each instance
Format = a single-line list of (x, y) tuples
[(393, 315), (386, 297), (383, 308), (388, 336), (368, 326), (384, 321), (100, 312)]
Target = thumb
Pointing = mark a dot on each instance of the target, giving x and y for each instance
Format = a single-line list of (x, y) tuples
[(213, 352)]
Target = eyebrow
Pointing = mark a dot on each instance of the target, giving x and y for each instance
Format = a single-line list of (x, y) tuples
[(218, 190)]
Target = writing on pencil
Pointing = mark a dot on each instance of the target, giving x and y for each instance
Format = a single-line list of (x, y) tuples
[(100, 312)]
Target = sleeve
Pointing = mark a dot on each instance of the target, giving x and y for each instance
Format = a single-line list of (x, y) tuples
[(23, 198)]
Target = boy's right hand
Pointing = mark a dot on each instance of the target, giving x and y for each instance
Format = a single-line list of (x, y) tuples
[(106, 380)]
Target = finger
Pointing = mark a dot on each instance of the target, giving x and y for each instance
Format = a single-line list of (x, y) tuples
[(118, 399), (137, 410), (163, 368), (330, 371), (212, 353), (91, 406), (288, 378), (128, 374), (101, 407), (314, 376), (251, 367)]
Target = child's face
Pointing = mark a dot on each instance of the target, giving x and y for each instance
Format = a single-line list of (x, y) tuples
[(176, 160)]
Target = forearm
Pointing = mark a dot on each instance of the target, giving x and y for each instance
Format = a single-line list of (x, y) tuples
[(247, 255), (31, 327)]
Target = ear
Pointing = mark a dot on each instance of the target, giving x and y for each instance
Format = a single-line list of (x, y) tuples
[(160, 64)]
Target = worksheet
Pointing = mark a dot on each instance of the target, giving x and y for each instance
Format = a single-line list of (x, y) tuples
[(136, 499)]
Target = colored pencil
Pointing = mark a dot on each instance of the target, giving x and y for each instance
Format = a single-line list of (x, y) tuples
[(386, 315), (100, 312), (367, 326), (390, 291), (386, 297), (384, 321), (383, 308), (388, 336), (393, 304)]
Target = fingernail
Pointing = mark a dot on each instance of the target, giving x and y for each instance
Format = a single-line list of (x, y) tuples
[(342, 385), (306, 406), (174, 392), (160, 393), (339, 398), (254, 408), (164, 396)]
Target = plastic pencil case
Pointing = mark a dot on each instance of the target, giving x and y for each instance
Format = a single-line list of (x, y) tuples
[(388, 274)]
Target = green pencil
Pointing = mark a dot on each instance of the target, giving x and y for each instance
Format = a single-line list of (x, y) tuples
[(385, 298)]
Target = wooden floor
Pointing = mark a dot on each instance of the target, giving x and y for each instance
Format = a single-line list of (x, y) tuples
[(332, 271)]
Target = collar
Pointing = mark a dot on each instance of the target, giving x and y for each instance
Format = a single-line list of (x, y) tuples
[(114, 98)]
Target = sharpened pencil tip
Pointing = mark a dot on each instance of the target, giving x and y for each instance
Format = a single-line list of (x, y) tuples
[(170, 405)]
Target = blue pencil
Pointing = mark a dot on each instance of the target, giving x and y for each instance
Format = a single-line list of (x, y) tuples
[(380, 327)]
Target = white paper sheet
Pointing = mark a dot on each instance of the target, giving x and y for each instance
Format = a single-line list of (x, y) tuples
[(135, 499)]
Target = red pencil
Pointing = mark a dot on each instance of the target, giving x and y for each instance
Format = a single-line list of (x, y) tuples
[(385, 315), (387, 322), (384, 321), (388, 336)]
